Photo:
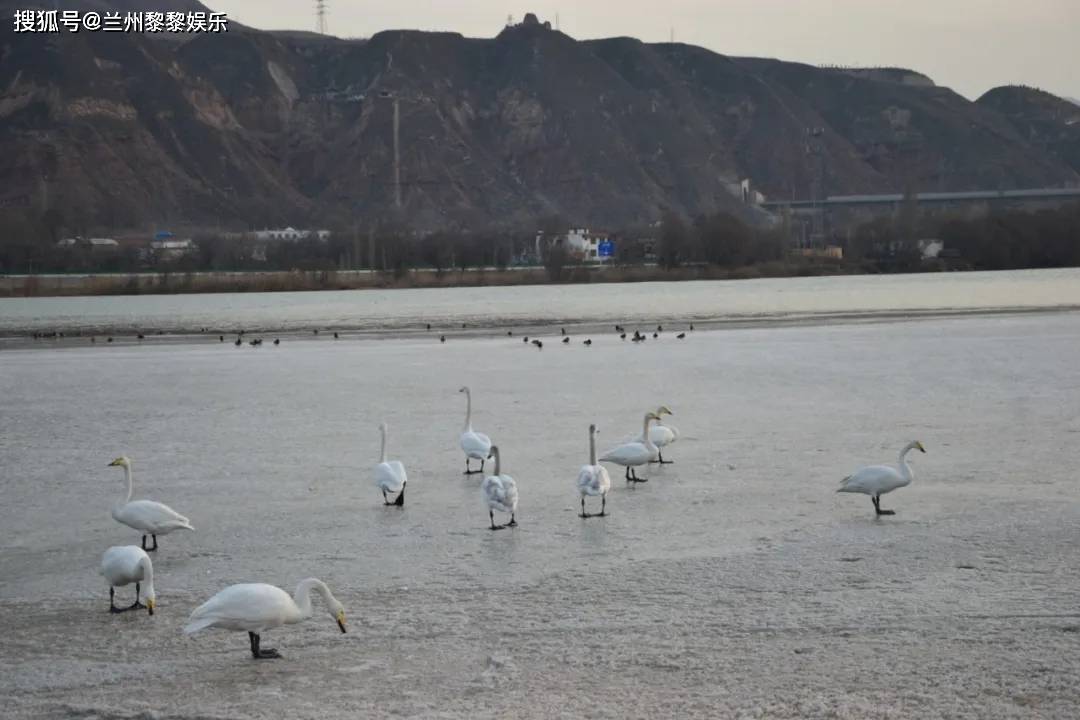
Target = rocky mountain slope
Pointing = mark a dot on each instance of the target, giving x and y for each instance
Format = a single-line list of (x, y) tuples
[(253, 129)]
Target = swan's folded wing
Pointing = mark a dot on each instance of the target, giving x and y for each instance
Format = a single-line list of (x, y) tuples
[(147, 513), (254, 603), (388, 477), (870, 479)]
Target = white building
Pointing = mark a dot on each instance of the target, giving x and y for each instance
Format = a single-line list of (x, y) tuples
[(590, 246), (173, 248)]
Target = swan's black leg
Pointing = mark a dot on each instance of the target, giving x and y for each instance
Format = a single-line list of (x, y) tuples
[(112, 605), (400, 502), (144, 543), (583, 513), (136, 605), (513, 522), (491, 514), (603, 505), (155, 544), (635, 478), (482, 461), (265, 653), (877, 507), (384, 499), (470, 471), (627, 473), (661, 460)]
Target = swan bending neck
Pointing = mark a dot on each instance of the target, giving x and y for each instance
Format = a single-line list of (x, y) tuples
[(302, 597)]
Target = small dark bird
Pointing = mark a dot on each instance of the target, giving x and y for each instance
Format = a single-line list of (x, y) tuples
[(509, 333), (238, 342), (565, 340), (276, 341), (316, 331), (463, 325), (623, 336), (93, 340), (110, 340), (681, 336), (141, 336), (691, 326), (442, 338), (160, 332), (588, 342), (253, 343), (539, 345), (241, 333), (563, 330), (655, 335), (221, 338), (525, 339), (429, 326), (659, 328), (335, 335), (618, 328)]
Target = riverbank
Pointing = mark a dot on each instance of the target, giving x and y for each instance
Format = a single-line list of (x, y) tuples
[(152, 283)]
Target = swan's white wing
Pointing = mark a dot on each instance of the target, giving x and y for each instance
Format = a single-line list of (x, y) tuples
[(660, 435), (476, 445), (121, 564), (872, 480), (151, 517), (390, 476), (499, 492), (673, 430), (631, 454), (251, 606), (510, 493)]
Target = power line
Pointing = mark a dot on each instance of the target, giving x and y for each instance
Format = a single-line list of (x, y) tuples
[(320, 12)]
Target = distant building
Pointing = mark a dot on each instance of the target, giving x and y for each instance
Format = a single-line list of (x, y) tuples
[(589, 246), (172, 249), (95, 244)]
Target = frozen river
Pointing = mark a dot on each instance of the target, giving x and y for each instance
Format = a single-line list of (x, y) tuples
[(736, 583)]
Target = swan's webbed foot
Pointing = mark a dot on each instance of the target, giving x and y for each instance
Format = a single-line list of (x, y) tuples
[(877, 507), (136, 606), (512, 523), (261, 653), (491, 514), (149, 549), (400, 502)]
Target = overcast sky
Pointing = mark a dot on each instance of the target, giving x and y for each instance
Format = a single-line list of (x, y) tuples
[(968, 45)]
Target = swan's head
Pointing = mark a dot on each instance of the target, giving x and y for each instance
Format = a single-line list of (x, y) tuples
[(593, 429), (464, 389), (493, 451), (338, 611), (918, 446), (151, 600), (383, 428), (123, 461), (663, 410)]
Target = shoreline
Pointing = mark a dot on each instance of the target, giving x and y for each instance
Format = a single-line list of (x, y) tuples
[(166, 283)]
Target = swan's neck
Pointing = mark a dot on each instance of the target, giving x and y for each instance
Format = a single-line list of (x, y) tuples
[(148, 577), (382, 453), (498, 464), (302, 597), (905, 469), (130, 483), (645, 436), (468, 410), (592, 447)]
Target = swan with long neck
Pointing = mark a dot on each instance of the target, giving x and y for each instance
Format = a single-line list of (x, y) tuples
[(634, 454), (499, 493), (390, 475), (257, 607), (877, 480), (662, 435), (593, 479), (149, 517), (124, 565), (476, 446)]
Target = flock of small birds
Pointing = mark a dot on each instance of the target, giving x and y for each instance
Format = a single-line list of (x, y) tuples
[(637, 337)]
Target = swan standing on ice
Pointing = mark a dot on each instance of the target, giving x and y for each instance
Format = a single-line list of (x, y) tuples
[(476, 446), (634, 454), (593, 479), (500, 493), (876, 480), (257, 607), (126, 564), (662, 435), (390, 475), (147, 516)]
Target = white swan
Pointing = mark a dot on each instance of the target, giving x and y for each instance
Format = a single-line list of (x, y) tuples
[(147, 516), (257, 607), (500, 493), (593, 479), (476, 446), (634, 454), (390, 475), (662, 435), (876, 480), (126, 564)]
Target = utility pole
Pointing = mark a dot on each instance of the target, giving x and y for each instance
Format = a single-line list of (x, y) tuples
[(815, 149), (320, 12)]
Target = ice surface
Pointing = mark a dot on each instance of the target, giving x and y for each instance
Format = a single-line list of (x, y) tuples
[(735, 583)]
